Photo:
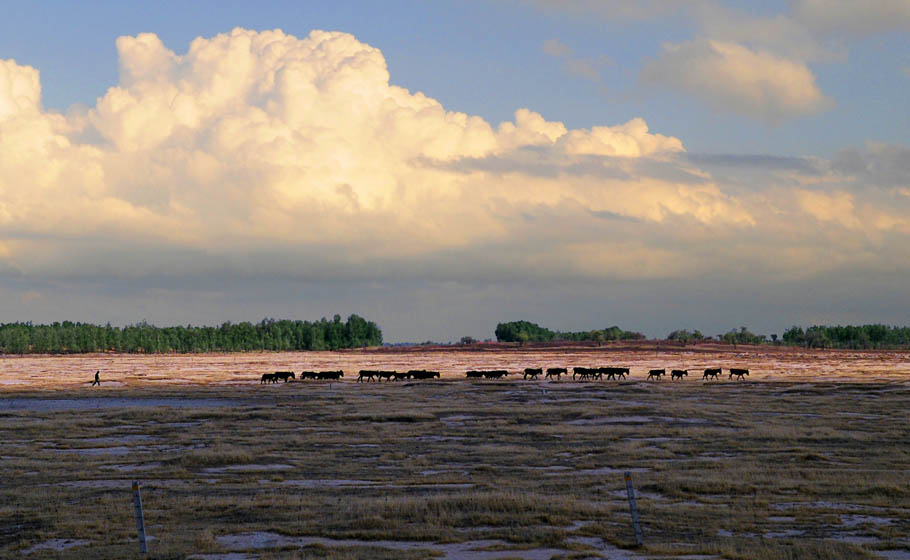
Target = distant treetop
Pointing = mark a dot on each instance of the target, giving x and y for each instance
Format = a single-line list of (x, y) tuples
[(524, 331)]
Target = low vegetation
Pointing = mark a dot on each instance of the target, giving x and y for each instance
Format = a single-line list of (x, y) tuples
[(758, 470)]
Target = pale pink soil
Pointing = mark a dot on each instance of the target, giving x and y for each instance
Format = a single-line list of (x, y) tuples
[(18, 373)]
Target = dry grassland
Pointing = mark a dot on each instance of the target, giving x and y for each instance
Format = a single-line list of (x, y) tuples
[(807, 459)]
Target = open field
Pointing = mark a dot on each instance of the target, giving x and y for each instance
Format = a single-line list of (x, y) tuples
[(807, 459), (766, 363)]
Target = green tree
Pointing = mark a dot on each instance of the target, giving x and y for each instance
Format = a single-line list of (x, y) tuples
[(684, 336)]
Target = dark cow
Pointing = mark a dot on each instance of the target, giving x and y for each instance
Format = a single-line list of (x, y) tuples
[(739, 373), (387, 375), (678, 374), (495, 373), (268, 378), (583, 372), (308, 375), (474, 374), (532, 373), (614, 372), (284, 376), (656, 373), (330, 375), (398, 376), (711, 372), (556, 371), (368, 374), (423, 374)]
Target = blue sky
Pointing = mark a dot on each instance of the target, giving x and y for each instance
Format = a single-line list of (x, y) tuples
[(757, 119)]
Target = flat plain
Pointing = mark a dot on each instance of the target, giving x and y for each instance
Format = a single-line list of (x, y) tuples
[(807, 458)]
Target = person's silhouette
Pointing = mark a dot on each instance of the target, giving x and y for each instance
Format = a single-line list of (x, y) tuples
[(97, 380)]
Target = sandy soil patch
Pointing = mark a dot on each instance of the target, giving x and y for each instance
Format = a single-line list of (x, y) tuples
[(136, 467), (249, 468), (56, 545), (91, 403), (469, 550), (228, 556)]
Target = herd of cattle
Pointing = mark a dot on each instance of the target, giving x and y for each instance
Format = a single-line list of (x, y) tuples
[(578, 373)]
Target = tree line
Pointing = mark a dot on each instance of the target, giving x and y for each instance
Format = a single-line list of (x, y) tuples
[(525, 331), (849, 336), (818, 336), (269, 334), (855, 337)]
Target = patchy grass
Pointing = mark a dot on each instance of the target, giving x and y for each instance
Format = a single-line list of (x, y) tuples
[(770, 469)]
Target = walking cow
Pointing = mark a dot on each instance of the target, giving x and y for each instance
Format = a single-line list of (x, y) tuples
[(711, 373), (284, 375), (423, 374), (616, 372), (556, 372)]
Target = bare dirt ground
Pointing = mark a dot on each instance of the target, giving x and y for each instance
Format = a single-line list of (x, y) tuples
[(808, 458), (764, 363)]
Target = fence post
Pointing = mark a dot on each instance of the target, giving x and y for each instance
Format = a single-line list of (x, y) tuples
[(633, 509), (140, 522)]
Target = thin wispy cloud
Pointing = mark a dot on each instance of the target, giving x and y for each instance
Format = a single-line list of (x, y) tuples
[(588, 68), (730, 77)]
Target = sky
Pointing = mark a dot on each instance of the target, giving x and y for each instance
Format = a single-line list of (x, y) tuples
[(439, 167)]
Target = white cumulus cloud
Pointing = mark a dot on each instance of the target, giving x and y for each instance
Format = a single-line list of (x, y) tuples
[(20, 89), (260, 153)]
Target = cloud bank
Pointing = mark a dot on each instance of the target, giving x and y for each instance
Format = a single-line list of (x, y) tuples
[(263, 155), (854, 18), (751, 62)]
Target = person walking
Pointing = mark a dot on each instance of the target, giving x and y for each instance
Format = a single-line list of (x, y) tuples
[(97, 380)]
